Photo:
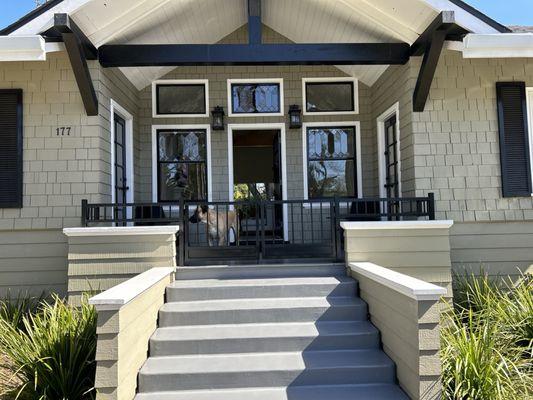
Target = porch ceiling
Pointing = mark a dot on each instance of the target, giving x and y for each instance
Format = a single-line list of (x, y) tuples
[(208, 21)]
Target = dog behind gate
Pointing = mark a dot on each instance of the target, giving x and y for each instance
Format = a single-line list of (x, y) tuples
[(219, 224)]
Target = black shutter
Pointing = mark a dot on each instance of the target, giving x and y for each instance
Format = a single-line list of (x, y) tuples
[(514, 140), (11, 148)]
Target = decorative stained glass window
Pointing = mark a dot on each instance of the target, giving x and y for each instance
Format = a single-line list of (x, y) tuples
[(182, 164), (255, 98), (180, 99), (331, 162)]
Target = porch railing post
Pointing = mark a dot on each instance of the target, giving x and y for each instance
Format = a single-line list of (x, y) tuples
[(181, 232), (431, 206), (84, 209), (335, 221)]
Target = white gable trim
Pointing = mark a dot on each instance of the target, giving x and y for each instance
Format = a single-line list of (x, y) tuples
[(22, 48), (509, 45)]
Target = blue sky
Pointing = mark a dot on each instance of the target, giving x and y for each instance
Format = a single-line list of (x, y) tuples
[(508, 12)]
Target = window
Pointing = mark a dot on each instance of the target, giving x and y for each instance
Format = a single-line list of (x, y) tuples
[(182, 156), (388, 153), (252, 97), (180, 98), (11, 148), (332, 161), (330, 96)]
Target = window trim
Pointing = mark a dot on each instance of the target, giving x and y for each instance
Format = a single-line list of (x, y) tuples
[(278, 81), (355, 83), (183, 82), (529, 111), (116, 108), (393, 110), (155, 159), (358, 161)]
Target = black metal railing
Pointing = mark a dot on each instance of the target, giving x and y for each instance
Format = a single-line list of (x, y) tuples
[(258, 229)]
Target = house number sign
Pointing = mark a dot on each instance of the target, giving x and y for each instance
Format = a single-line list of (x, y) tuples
[(63, 130)]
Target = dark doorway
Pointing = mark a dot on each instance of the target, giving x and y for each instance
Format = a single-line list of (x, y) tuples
[(257, 176)]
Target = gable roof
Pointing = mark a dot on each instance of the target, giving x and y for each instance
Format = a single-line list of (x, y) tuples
[(209, 21)]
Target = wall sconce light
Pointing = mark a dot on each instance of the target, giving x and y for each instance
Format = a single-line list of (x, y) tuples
[(218, 118), (295, 117)]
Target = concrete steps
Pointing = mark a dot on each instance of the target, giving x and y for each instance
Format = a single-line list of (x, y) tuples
[(272, 332), (265, 337)]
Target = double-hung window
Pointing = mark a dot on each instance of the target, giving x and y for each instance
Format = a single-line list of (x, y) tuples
[(182, 157), (331, 161)]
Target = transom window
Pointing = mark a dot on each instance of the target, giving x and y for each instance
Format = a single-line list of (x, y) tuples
[(255, 97), (182, 163), (330, 96), (331, 162), (180, 98)]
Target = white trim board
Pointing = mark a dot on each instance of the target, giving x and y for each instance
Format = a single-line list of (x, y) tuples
[(116, 108), (509, 45), (121, 231), (529, 107), (358, 161), (122, 294), (155, 181), (394, 110), (22, 48), (260, 127), (387, 225), (332, 80), (411, 287), (257, 80), (204, 82)]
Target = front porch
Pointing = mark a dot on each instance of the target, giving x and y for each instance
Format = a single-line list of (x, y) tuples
[(256, 230)]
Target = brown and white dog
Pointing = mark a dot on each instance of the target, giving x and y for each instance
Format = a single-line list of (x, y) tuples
[(218, 224)]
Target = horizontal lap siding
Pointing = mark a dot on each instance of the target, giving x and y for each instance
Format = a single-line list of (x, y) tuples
[(499, 248), (98, 263), (33, 261)]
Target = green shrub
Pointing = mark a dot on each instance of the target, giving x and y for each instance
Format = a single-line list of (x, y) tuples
[(487, 340), (53, 356), (14, 309)]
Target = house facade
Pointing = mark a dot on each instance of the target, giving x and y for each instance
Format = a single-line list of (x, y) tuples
[(280, 144)]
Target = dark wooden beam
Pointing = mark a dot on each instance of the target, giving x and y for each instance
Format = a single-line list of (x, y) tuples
[(430, 44), (78, 60), (64, 24), (254, 22), (153, 55)]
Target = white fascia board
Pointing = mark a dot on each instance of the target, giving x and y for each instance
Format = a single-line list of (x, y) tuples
[(122, 294), (22, 48), (407, 285), (121, 231), (502, 45), (387, 225)]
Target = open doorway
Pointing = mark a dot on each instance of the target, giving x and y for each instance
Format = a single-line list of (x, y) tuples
[(256, 169)]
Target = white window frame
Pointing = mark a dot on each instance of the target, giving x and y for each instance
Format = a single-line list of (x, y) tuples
[(332, 80), (394, 110), (204, 82), (260, 127), (116, 108), (358, 161), (279, 81), (155, 178), (529, 106)]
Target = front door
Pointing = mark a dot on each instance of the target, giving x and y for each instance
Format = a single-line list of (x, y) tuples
[(121, 185), (392, 187)]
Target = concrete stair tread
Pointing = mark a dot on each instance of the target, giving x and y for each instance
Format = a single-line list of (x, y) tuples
[(261, 303), (318, 392), (263, 330), (258, 362), (294, 281)]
